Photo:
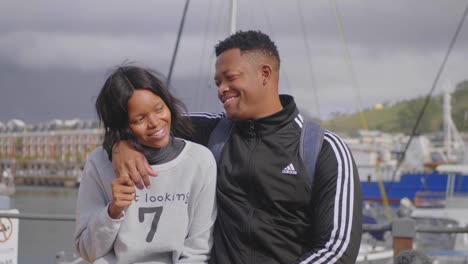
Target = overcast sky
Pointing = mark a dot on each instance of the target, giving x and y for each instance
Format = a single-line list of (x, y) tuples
[(55, 55)]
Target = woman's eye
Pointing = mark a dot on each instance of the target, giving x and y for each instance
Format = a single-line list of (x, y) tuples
[(138, 120), (159, 109)]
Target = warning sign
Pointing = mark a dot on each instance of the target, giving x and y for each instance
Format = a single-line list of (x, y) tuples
[(6, 229), (9, 238)]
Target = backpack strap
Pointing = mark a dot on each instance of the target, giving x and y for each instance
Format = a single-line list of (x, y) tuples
[(311, 144), (219, 137)]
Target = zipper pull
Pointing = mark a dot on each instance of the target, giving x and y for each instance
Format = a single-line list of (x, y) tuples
[(252, 127)]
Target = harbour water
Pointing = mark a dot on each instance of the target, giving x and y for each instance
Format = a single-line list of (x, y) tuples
[(39, 241)]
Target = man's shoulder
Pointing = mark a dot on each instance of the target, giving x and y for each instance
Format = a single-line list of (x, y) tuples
[(207, 115), (203, 124), (205, 119), (329, 135), (334, 146)]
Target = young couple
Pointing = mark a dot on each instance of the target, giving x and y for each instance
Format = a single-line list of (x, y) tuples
[(126, 214)]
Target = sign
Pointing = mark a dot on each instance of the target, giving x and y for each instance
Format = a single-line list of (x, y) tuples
[(9, 238)]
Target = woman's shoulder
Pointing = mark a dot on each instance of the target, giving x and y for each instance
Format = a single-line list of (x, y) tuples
[(199, 152), (99, 158)]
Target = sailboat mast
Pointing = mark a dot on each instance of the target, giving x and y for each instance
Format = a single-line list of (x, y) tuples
[(446, 121), (232, 28), (454, 146)]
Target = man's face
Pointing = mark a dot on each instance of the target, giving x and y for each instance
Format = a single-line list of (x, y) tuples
[(239, 82)]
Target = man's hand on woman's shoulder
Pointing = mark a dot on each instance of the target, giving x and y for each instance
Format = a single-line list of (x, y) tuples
[(129, 162)]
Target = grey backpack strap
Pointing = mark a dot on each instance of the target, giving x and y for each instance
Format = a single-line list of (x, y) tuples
[(311, 143), (219, 137)]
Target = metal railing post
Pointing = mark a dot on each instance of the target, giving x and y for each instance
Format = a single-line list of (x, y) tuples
[(403, 232)]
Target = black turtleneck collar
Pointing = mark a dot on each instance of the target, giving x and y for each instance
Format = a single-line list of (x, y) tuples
[(165, 154), (270, 124)]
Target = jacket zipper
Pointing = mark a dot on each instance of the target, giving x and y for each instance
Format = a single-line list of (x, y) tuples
[(251, 194), (251, 240)]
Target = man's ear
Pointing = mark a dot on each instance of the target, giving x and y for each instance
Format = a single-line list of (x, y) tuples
[(266, 72)]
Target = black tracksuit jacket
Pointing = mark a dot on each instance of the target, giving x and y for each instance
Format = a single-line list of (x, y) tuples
[(266, 211)]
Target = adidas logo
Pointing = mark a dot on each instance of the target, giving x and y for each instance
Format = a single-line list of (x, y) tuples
[(289, 170)]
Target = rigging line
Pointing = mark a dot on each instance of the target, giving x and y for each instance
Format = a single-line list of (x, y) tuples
[(429, 95), (221, 9), (270, 29), (216, 29), (349, 63), (309, 58), (179, 34)]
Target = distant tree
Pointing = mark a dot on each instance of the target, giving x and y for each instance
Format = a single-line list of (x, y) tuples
[(460, 106), (19, 141), (68, 156), (78, 156), (308, 116), (401, 116), (408, 116)]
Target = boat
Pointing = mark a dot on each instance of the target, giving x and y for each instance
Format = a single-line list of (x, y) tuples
[(7, 183), (376, 155), (453, 212)]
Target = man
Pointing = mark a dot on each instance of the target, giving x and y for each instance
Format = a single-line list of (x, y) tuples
[(266, 211)]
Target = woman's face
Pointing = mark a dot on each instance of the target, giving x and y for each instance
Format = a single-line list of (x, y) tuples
[(149, 118)]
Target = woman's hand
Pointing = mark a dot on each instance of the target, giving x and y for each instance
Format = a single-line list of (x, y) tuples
[(123, 193), (130, 163)]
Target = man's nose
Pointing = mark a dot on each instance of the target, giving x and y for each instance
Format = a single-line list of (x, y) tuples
[(223, 88)]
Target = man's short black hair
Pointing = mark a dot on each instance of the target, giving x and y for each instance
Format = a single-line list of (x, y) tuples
[(251, 40)]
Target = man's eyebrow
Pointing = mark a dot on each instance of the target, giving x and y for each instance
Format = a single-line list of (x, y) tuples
[(221, 73)]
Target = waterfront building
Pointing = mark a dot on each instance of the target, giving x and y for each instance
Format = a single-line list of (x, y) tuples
[(47, 150)]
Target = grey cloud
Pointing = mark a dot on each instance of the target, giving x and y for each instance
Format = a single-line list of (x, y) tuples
[(54, 54), (148, 18), (35, 95), (377, 25)]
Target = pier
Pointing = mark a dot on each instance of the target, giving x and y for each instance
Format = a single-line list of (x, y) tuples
[(37, 172)]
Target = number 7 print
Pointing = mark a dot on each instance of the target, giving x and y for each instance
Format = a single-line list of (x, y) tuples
[(154, 225)]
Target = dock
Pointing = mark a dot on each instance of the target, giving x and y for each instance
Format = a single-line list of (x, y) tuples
[(52, 173)]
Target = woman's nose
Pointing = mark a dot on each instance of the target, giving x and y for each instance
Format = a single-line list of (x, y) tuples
[(152, 120)]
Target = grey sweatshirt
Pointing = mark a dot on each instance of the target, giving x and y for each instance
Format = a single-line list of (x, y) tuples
[(171, 222)]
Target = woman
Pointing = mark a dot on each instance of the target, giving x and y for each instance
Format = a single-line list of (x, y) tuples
[(171, 220)]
